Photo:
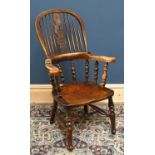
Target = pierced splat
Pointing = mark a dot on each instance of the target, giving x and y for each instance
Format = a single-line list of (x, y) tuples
[(59, 31)]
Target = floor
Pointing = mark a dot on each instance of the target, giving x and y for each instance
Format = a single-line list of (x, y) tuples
[(90, 137)]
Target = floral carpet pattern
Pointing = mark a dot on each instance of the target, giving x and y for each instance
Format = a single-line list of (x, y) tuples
[(90, 137)]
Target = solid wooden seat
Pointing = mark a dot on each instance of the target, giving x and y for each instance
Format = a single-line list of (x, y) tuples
[(76, 94)]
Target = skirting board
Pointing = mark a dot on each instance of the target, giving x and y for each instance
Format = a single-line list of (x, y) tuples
[(41, 94)]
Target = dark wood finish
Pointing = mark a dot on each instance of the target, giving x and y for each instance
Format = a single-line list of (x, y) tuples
[(62, 35), (69, 56), (73, 72), (101, 111), (87, 70), (54, 109), (80, 55), (112, 115), (77, 94), (96, 71), (86, 109), (56, 86), (53, 82), (60, 20), (61, 121), (69, 130), (61, 74)]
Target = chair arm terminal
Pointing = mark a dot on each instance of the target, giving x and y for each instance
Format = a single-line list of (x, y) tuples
[(54, 71)]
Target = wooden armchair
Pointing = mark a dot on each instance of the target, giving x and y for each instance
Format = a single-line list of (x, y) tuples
[(62, 35)]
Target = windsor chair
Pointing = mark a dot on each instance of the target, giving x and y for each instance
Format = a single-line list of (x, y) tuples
[(62, 35)]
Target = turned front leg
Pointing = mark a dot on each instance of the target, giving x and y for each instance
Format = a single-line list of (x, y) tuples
[(53, 113), (112, 115), (69, 131)]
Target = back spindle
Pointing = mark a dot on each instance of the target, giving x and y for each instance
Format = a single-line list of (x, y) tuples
[(73, 71), (75, 36), (87, 70), (96, 71), (104, 76), (71, 32), (66, 32), (49, 37)]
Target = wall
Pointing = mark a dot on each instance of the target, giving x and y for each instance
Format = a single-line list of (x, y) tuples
[(104, 21)]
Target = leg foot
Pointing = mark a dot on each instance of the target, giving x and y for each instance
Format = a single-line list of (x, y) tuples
[(86, 111), (69, 132), (112, 115), (54, 108)]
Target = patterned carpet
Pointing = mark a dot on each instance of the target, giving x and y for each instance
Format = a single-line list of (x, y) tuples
[(90, 137)]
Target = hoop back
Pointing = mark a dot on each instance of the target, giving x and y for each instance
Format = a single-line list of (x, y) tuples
[(59, 31)]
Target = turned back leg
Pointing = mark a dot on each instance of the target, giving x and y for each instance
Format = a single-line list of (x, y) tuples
[(112, 115)]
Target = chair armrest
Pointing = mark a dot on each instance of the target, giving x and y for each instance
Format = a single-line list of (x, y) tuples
[(101, 58), (81, 55), (54, 71), (105, 68)]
